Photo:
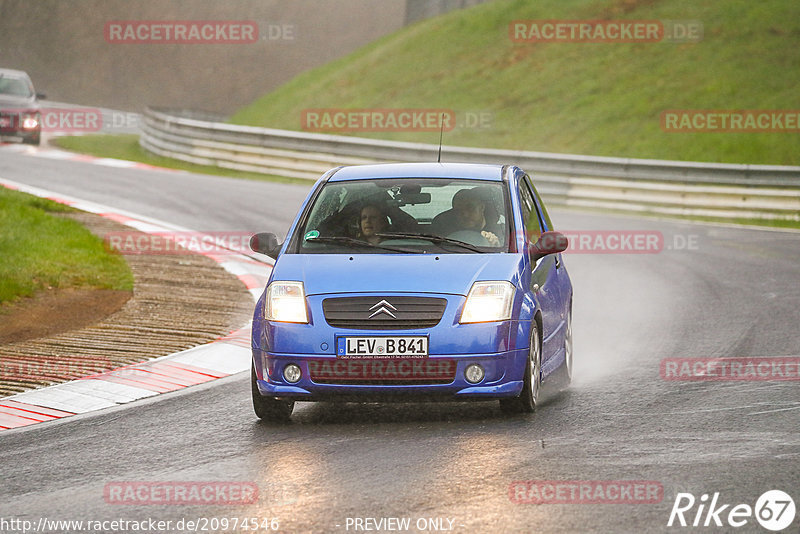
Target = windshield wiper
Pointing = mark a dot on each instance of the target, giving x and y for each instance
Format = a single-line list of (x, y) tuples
[(434, 238), (360, 243)]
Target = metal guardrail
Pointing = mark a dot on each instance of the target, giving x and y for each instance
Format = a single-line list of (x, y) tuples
[(639, 185)]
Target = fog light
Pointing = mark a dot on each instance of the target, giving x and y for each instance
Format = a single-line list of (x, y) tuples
[(474, 373), (292, 373)]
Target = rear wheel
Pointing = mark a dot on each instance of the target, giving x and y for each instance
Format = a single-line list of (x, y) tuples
[(532, 381), (269, 408)]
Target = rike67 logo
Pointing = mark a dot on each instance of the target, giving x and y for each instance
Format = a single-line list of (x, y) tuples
[(774, 510)]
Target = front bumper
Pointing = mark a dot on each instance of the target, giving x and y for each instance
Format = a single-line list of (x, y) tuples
[(503, 378), (12, 129)]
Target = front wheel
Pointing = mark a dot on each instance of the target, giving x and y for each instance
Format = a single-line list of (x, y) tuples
[(33, 140), (269, 408), (532, 381)]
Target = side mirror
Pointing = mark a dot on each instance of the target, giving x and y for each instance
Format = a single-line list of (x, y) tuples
[(41, 96), (265, 243), (549, 243)]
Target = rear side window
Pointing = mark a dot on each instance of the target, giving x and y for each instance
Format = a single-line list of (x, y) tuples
[(529, 212), (544, 213), (541, 212)]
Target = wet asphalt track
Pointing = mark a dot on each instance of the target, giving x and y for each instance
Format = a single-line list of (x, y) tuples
[(736, 294)]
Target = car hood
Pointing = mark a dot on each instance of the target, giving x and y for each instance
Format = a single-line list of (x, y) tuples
[(368, 273)]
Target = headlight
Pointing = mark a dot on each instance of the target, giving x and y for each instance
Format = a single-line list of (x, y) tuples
[(29, 122), (488, 301), (286, 303)]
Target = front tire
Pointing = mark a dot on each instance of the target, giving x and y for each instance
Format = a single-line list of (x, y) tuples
[(33, 140), (532, 382), (269, 408)]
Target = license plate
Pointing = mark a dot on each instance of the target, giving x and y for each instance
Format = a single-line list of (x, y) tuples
[(378, 347)]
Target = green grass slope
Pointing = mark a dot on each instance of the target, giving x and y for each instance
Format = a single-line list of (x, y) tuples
[(582, 98), (39, 250)]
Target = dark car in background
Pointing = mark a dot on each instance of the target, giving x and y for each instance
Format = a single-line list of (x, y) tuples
[(20, 114)]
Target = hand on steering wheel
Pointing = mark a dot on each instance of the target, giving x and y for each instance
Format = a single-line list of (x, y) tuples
[(493, 240)]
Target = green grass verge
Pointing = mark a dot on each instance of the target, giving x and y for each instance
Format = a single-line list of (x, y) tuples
[(126, 147), (580, 98), (39, 250)]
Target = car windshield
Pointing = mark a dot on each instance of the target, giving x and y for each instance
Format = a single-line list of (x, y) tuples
[(406, 215), (15, 87)]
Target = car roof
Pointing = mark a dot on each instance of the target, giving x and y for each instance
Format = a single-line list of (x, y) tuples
[(14, 73), (475, 171)]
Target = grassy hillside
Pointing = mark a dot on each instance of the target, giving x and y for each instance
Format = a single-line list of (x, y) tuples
[(39, 250), (586, 98)]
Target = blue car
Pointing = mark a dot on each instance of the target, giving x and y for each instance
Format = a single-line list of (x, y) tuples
[(414, 281)]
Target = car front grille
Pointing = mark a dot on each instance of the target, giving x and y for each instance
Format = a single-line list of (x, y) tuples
[(383, 313)]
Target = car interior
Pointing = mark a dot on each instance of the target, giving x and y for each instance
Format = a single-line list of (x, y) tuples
[(409, 209)]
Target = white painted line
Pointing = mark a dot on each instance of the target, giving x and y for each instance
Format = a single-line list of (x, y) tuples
[(111, 391), (55, 154), (60, 398), (776, 410), (162, 226), (109, 162), (85, 206), (238, 268), (88, 205), (256, 292), (220, 357), (16, 148), (224, 356), (147, 227)]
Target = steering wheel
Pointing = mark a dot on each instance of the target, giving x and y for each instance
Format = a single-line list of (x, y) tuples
[(473, 237)]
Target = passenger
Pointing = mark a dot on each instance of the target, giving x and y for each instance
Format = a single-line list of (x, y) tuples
[(373, 220), (468, 213)]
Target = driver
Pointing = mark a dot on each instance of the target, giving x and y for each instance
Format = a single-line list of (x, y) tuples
[(373, 220), (468, 213)]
